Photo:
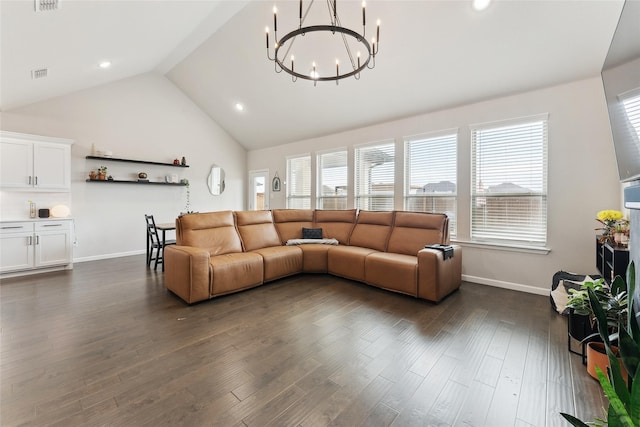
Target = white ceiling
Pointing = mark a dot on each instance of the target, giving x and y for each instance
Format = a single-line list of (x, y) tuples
[(433, 55)]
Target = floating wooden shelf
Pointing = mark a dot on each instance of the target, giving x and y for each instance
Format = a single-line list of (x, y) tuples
[(144, 162), (117, 181)]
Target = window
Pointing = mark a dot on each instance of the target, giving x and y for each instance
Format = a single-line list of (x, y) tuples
[(299, 182), (631, 103), (430, 181), (332, 180), (374, 177), (509, 182)]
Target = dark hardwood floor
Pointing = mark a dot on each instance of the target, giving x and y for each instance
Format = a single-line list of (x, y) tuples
[(106, 344)]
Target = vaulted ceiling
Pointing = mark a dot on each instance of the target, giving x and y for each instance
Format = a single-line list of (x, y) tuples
[(433, 54)]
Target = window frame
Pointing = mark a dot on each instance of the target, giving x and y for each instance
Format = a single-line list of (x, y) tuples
[(357, 195), (540, 235), (407, 196), (290, 180), (339, 200)]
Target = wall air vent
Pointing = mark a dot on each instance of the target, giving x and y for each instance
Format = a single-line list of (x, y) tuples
[(39, 74), (46, 5)]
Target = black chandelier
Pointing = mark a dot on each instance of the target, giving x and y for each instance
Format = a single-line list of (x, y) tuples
[(283, 46)]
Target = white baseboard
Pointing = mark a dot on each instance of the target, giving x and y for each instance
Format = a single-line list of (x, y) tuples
[(506, 285), (108, 256)]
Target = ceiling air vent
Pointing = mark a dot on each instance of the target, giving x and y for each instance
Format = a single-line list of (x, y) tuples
[(46, 5), (39, 74)]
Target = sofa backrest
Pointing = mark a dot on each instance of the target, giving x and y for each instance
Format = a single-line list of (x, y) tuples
[(372, 230), (335, 224), (256, 230), (289, 222), (413, 230), (214, 231)]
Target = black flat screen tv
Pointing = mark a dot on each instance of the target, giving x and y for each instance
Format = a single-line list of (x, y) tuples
[(621, 80)]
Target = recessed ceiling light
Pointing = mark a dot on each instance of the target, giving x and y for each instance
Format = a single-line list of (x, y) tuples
[(480, 4), (104, 64), (239, 107)]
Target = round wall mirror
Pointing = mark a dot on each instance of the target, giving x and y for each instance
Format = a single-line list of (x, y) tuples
[(216, 180)]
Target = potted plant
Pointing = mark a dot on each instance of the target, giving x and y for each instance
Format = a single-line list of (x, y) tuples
[(618, 385), (102, 172), (613, 302)]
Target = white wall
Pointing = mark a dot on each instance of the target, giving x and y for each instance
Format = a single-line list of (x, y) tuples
[(583, 177), (144, 117)]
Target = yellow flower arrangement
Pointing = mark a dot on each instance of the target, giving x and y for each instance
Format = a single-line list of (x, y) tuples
[(609, 216), (611, 219)]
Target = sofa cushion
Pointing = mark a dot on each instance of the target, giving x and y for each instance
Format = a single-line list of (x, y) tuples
[(289, 222), (348, 261), (280, 261), (234, 272), (213, 231), (257, 230), (315, 258), (372, 230), (335, 224), (413, 230), (392, 271)]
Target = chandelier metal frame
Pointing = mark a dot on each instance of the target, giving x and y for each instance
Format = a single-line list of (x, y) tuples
[(334, 27)]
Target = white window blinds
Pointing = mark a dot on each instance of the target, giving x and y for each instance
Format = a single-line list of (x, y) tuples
[(374, 177), (631, 103), (509, 182), (431, 175), (299, 182), (332, 180)]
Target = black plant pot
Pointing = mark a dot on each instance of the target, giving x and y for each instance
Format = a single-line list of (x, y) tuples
[(580, 328)]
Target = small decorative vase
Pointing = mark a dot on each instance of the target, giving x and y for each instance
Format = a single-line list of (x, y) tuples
[(92, 175), (618, 238), (102, 176)]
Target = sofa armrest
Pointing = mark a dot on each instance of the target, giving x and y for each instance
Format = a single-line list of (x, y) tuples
[(188, 272), (438, 277)]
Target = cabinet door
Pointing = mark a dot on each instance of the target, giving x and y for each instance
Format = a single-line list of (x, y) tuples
[(16, 164), (16, 251), (53, 244), (51, 166)]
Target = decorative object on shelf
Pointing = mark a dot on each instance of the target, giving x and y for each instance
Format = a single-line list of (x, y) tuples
[(184, 161), (60, 211), (32, 209), (332, 33), (142, 175), (172, 179), (93, 175), (275, 184), (43, 213), (608, 218), (102, 173), (176, 161), (109, 178)]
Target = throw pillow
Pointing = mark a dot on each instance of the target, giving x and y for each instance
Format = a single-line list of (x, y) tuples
[(562, 282), (311, 233)]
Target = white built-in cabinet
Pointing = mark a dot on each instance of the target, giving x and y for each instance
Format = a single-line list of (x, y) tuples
[(36, 244), (34, 163)]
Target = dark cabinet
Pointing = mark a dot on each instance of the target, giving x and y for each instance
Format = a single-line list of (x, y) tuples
[(611, 260)]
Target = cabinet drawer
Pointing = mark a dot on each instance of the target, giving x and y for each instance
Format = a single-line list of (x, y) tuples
[(16, 227), (53, 225)]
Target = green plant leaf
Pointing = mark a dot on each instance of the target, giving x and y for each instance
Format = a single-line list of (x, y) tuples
[(616, 379), (617, 414), (632, 324), (600, 316), (635, 399), (629, 352)]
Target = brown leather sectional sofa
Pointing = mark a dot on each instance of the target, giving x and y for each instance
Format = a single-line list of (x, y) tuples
[(223, 252)]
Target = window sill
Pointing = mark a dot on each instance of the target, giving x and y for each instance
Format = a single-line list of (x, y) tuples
[(539, 250)]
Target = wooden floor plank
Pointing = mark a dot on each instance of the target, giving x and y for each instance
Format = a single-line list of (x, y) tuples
[(106, 344)]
